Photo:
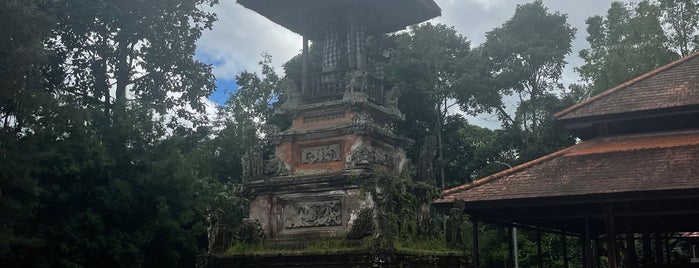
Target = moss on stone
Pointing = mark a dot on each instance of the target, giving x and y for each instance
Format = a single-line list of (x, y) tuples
[(313, 246)]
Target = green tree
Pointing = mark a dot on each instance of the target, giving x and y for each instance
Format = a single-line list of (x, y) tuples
[(471, 151), (681, 18), (549, 136), (97, 209), (24, 25), (435, 70), (140, 50), (246, 120), (96, 179), (527, 56), (253, 105), (628, 42)]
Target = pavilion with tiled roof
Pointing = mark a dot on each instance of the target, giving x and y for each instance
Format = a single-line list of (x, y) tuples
[(635, 171)]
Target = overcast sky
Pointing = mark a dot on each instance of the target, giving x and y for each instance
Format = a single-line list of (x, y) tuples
[(241, 35)]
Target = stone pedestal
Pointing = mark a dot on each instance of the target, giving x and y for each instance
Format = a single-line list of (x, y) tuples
[(339, 140), (328, 150)]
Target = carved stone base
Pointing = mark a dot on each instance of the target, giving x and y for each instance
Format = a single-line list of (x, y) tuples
[(308, 207), (387, 259)]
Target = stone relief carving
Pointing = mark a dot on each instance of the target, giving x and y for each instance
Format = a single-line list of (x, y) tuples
[(425, 167), (391, 99), (365, 155), (362, 118), (292, 95), (217, 231), (251, 231), (380, 217), (275, 167), (252, 164), (312, 214), (321, 154), (356, 81), (455, 224)]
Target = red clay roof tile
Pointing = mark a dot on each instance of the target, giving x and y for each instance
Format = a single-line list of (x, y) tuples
[(673, 85), (631, 163)]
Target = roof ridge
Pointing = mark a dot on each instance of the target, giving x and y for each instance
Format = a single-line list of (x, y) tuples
[(668, 132), (509, 171), (640, 78)]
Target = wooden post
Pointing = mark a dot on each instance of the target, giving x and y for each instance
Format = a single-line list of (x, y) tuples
[(587, 252), (658, 249), (647, 253), (304, 68), (611, 236), (564, 245), (667, 249), (598, 252), (510, 247), (631, 257), (539, 258), (583, 256), (474, 224)]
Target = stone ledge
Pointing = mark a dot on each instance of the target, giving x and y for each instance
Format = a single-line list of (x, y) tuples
[(356, 258)]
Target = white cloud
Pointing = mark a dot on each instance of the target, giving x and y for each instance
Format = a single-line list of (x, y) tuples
[(474, 18), (241, 35)]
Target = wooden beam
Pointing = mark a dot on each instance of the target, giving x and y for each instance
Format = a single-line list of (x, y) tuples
[(527, 216), (647, 253), (539, 257), (658, 249), (631, 257), (667, 248), (510, 247), (611, 236), (564, 246), (591, 199), (598, 252), (474, 224), (587, 252)]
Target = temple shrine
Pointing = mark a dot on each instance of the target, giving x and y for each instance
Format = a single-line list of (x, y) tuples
[(340, 138), (342, 117)]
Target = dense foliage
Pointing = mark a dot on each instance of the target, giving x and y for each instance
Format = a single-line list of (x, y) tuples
[(633, 39), (107, 157), (91, 175)]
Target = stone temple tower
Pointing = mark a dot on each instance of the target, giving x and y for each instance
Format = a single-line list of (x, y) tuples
[(342, 118)]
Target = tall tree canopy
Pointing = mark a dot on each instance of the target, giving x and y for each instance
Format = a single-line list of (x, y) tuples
[(629, 41), (427, 64), (437, 73), (90, 175), (115, 52), (526, 56), (23, 27), (681, 20)]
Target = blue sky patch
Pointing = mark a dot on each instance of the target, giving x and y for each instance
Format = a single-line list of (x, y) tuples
[(224, 88)]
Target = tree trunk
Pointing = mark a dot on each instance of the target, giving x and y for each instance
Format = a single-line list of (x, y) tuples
[(119, 127), (122, 76), (439, 140), (99, 70)]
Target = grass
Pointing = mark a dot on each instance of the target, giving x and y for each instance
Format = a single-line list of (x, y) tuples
[(425, 246), (314, 246), (339, 245)]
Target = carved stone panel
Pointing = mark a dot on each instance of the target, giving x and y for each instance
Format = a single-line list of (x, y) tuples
[(365, 155), (275, 167), (321, 154), (312, 214)]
